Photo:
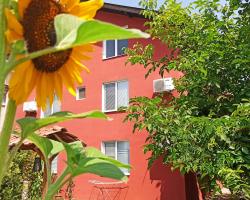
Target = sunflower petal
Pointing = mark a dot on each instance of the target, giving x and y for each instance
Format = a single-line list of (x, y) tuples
[(85, 48), (67, 79), (22, 5), (20, 95), (13, 23), (69, 4), (58, 85), (87, 10), (76, 62), (79, 55)]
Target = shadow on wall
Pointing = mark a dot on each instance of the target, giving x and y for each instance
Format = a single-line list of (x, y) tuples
[(171, 183)]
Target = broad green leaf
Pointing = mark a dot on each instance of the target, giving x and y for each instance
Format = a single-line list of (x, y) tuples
[(99, 167), (92, 152), (89, 160), (73, 31), (46, 146), (29, 125)]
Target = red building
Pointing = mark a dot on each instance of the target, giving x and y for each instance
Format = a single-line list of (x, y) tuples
[(108, 87)]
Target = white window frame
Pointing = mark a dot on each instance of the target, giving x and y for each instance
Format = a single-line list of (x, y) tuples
[(116, 96), (78, 94), (116, 150), (54, 165), (104, 54), (4, 103), (52, 110)]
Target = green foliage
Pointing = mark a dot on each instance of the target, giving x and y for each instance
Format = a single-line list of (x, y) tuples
[(210, 147), (206, 129), (21, 170), (214, 51)]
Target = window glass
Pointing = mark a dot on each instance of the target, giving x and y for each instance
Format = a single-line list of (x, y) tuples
[(109, 96), (123, 154), (122, 44), (110, 149), (81, 93), (110, 48), (48, 110), (122, 94), (54, 164), (118, 150), (55, 107), (5, 95)]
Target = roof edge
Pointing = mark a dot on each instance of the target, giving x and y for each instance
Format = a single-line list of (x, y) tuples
[(123, 10)]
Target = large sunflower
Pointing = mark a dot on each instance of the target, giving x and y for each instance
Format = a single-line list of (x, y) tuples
[(46, 74)]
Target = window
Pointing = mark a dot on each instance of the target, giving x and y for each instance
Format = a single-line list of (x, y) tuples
[(115, 95), (118, 150), (112, 48), (4, 100), (54, 165), (80, 93), (56, 107)]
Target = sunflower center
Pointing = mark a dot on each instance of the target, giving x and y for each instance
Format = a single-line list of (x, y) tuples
[(39, 32)]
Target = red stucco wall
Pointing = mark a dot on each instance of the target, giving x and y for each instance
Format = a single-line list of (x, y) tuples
[(158, 183)]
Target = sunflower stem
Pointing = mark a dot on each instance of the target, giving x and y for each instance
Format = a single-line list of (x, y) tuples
[(54, 188), (3, 4), (5, 137)]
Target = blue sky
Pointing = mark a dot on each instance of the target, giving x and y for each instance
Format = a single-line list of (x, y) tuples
[(134, 3)]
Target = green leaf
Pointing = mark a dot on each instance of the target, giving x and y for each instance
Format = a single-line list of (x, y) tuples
[(92, 152), (29, 125), (46, 146), (90, 160), (73, 31)]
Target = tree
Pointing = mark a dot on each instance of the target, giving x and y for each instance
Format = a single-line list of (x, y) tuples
[(207, 129)]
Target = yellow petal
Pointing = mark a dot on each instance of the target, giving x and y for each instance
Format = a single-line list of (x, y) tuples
[(58, 85), (20, 88), (68, 81), (22, 5), (50, 87), (76, 62), (84, 48), (87, 9), (18, 73), (79, 55), (69, 4), (13, 23), (12, 36)]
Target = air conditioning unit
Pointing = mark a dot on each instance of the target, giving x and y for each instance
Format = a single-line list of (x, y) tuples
[(163, 85), (29, 106)]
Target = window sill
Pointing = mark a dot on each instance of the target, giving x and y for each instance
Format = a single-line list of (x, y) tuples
[(80, 99), (115, 111), (112, 57)]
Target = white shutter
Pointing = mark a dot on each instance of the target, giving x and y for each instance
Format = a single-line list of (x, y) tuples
[(54, 166), (122, 94), (123, 154), (110, 149), (56, 105), (48, 110), (109, 97)]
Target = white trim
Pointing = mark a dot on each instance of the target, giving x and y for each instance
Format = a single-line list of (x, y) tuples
[(77, 93), (51, 108), (104, 52)]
